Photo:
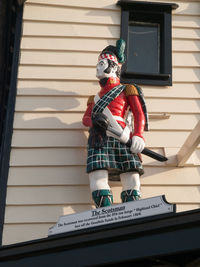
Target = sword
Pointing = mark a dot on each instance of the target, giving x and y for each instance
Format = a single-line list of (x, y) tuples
[(145, 151)]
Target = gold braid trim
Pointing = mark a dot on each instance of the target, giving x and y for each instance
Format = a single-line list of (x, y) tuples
[(131, 90), (90, 100)]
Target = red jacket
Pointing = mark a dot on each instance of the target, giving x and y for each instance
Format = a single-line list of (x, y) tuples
[(118, 107)]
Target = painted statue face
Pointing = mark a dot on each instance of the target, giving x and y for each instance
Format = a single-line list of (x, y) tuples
[(103, 65)]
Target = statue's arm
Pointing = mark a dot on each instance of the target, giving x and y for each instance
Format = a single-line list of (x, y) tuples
[(139, 118), (134, 102), (87, 115)]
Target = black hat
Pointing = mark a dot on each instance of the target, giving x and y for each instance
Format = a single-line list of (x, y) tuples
[(115, 53)]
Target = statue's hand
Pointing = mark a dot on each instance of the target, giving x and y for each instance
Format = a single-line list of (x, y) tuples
[(100, 121), (137, 145)]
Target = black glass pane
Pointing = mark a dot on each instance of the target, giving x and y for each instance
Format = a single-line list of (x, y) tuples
[(143, 48)]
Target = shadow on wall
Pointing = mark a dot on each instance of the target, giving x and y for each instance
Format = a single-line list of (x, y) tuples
[(42, 128), (43, 111)]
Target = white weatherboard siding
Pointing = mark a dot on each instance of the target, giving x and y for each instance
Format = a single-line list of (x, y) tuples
[(59, 49)]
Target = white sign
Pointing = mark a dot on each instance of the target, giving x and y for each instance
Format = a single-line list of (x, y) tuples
[(112, 214)]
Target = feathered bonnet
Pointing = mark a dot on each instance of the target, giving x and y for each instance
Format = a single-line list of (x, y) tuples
[(114, 53)]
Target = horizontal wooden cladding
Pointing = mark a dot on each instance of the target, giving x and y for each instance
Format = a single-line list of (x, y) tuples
[(24, 232), (89, 44), (43, 28), (44, 214), (59, 58), (103, 4), (62, 157), (186, 21), (186, 74), (68, 194), (178, 90), (70, 14), (48, 195), (37, 87), (79, 104), (89, 73), (77, 156), (186, 45), (70, 30), (186, 59), (76, 138), (50, 214), (49, 72), (48, 157), (66, 43), (190, 8), (73, 121), (70, 175), (63, 58), (88, 15), (86, 88), (186, 33), (63, 175), (49, 138)]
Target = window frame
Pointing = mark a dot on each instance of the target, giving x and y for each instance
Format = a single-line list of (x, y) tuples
[(155, 12), (12, 17)]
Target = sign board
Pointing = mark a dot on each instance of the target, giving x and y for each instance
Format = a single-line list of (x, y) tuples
[(113, 214)]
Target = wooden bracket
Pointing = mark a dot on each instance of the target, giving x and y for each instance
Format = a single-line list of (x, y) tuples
[(159, 116), (189, 146)]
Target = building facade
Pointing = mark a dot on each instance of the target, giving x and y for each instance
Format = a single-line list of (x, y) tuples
[(60, 44)]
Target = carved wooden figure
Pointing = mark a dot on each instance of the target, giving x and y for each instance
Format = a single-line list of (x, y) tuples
[(109, 115)]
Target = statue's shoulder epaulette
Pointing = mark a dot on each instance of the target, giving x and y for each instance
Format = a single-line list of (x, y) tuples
[(131, 90), (90, 100)]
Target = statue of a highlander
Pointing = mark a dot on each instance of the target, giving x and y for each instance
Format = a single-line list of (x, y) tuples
[(113, 144)]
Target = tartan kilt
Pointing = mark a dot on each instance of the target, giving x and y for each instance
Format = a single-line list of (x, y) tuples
[(114, 155)]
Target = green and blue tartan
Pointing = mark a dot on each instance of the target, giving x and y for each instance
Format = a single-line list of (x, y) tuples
[(105, 100), (114, 155)]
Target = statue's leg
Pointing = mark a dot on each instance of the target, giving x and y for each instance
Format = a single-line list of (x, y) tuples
[(100, 188), (130, 186)]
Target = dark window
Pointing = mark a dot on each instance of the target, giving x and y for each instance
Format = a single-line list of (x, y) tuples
[(143, 45), (146, 28)]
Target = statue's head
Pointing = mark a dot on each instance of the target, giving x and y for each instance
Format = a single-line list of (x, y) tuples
[(110, 61)]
